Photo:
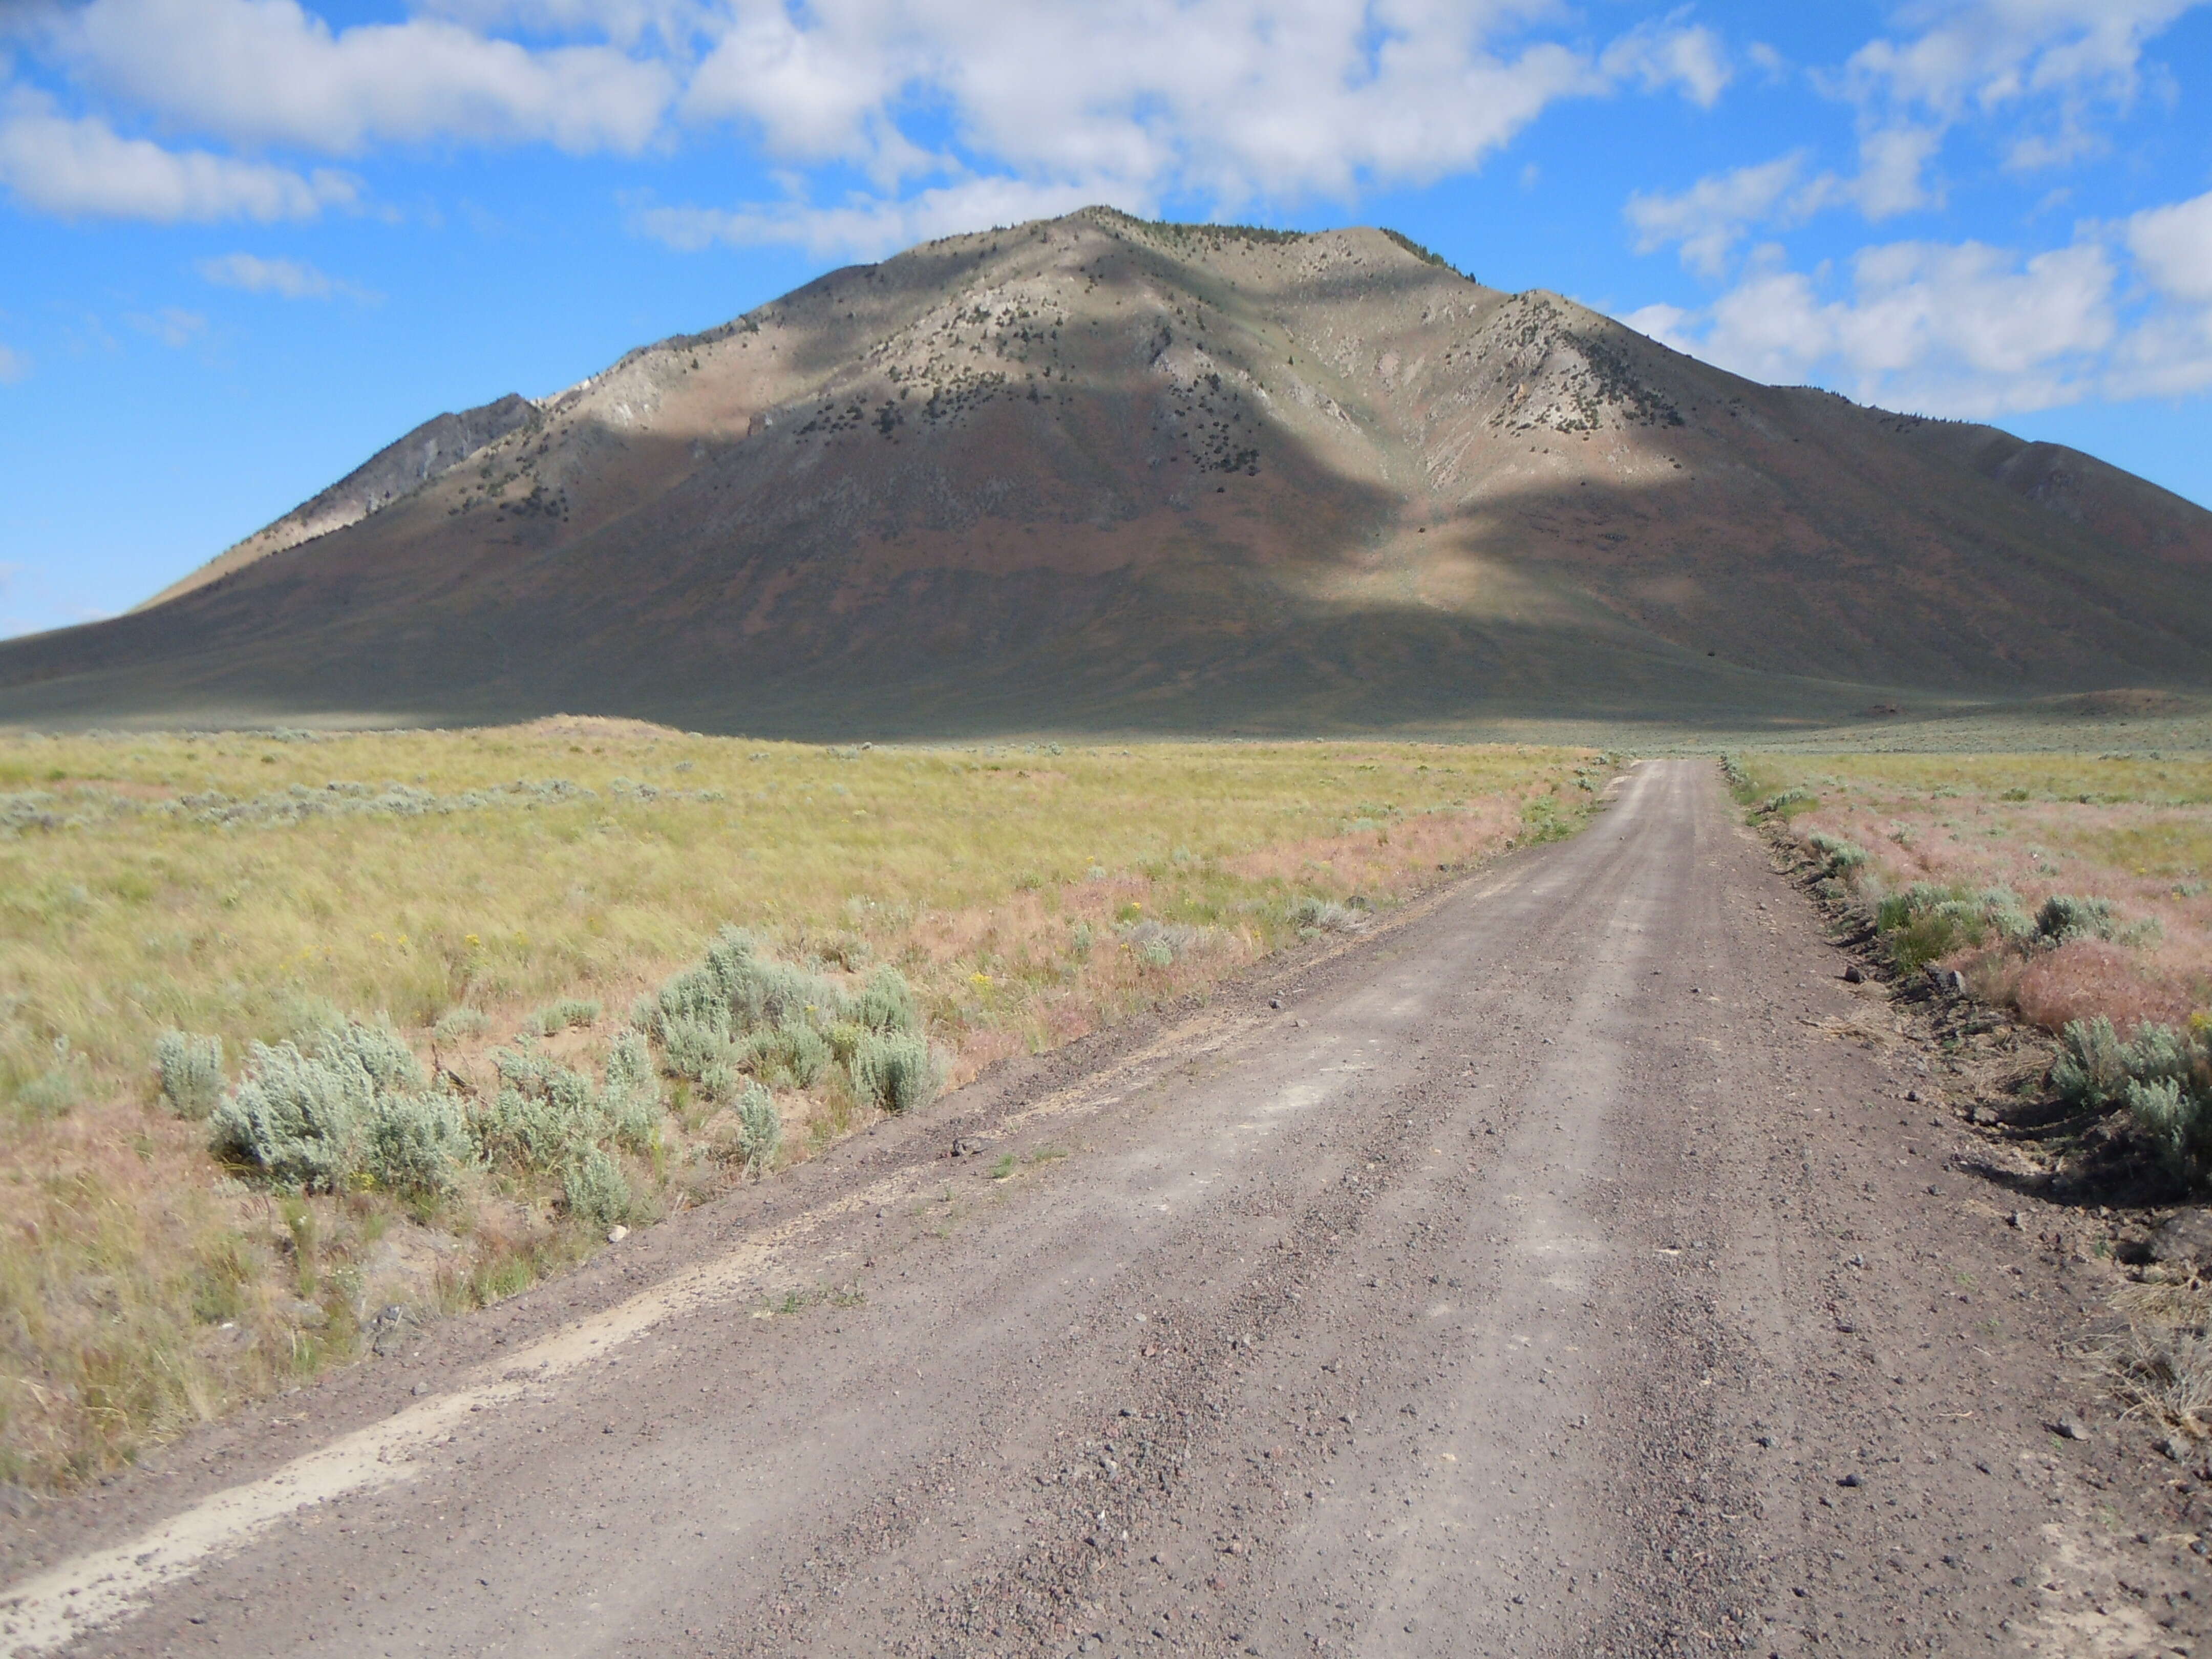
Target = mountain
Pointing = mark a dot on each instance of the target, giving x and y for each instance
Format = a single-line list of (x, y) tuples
[(430, 451), (1097, 473)]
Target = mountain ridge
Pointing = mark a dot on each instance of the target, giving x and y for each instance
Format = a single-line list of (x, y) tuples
[(1098, 472)]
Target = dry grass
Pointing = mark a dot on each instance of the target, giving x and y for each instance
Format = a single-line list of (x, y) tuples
[(2162, 1368), (2135, 829), (460, 882)]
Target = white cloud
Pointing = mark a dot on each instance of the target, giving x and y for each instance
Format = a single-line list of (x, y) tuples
[(1953, 328), (81, 167), (1239, 98), (2173, 247), (267, 71), (289, 279), (172, 325), (1708, 218), (1230, 100), (1662, 55), (868, 227), (2055, 62), (13, 366), (1985, 54)]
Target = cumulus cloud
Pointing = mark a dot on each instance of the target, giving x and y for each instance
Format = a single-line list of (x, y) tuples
[(288, 279), (1229, 100), (1958, 329), (267, 71), (1708, 219), (869, 228), (1662, 55), (1236, 98), (81, 167), (2060, 63), (2123, 310), (2172, 246), (2053, 61)]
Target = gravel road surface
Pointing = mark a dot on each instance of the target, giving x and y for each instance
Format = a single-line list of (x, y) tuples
[(1551, 1272)]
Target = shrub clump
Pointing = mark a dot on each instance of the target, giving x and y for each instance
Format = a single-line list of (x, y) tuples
[(1926, 921), (355, 1106), (2064, 917), (191, 1069), (896, 1071), (569, 1013), (1839, 857), (354, 1109), (1311, 916), (2162, 1076), (704, 1017), (593, 1188), (760, 1130)]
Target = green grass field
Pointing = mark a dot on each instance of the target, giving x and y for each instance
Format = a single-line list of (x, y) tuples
[(515, 892)]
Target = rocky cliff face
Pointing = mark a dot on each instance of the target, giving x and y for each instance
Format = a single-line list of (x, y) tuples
[(1096, 472)]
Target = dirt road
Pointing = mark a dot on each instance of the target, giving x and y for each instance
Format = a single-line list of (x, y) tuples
[(1545, 1275)]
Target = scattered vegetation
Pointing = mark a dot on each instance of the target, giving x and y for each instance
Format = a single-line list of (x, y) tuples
[(1972, 852), (430, 1102)]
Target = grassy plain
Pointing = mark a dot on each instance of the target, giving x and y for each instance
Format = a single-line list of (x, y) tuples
[(473, 887), (2133, 829)]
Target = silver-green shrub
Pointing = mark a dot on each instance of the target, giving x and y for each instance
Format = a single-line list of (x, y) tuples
[(297, 1119), (760, 1128), (594, 1189), (457, 1023), (632, 1094), (2092, 1071), (357, 1105), (418, 1143), (693, 1046), (544, 1113), (191, 1069), (2177, 1120), (885, 1003), (564, 1015), (1839, 857), (1312, 914), (896, 1071), (793, 1054)]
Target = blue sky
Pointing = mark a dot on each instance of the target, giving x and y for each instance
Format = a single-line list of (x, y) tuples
[(245, 243)]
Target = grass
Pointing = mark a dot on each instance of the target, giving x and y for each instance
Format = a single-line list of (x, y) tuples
[(2065, 886), (496, 897)]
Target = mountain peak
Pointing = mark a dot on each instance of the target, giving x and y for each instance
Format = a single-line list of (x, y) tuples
[(1099, 469)]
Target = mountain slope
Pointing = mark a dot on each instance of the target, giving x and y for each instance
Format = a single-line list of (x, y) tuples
[(430, 451), (1094, 472)]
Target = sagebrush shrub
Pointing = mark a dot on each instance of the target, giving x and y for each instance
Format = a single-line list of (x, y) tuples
[(357, 1105), (632, 1094), (1312, 914), (897, 1072), (456, 1024), (294, 1118), (2091, 1073), (568, 1014), (191, 1069), (2174, 1119), (417, 1143), (2064, 917), (760, 1128), (594, 1189), (1837, 856), (885, 1003), (693, 1046)]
